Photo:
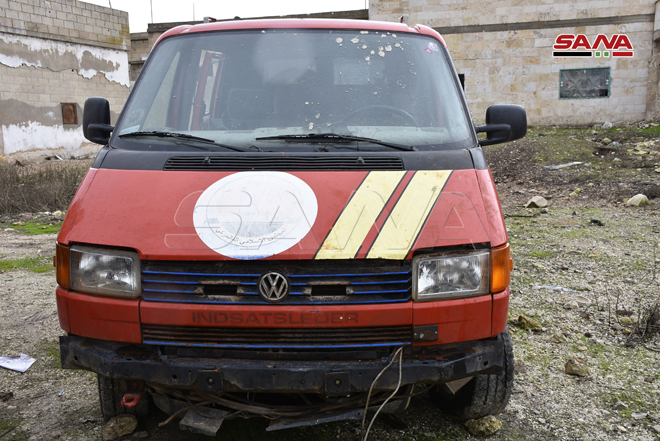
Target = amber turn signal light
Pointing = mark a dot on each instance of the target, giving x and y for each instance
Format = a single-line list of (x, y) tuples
[(62, 265), (500, 268)]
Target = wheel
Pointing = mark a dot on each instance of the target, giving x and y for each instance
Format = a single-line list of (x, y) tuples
[(111, 392), (485, 394), (378, 117)]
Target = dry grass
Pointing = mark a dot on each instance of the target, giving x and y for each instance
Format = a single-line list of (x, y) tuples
[(48, 186)]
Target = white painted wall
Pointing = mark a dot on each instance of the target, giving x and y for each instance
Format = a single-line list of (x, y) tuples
[(37, 52)]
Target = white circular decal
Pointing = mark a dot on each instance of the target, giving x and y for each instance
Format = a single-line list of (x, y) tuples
[(253, 215)]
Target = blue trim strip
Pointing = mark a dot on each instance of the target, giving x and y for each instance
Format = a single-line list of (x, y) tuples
[(201, 274), (349, 275), (380, 283), (253, 293), (193, 283), (212, 345), (381, 292), (166, 290), (356, 283), (210, 302), (170, 281)]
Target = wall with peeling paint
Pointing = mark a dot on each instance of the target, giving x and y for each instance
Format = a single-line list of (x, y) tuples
[(54, 52)]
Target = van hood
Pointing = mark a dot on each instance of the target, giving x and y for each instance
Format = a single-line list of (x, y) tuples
[(193, 215)]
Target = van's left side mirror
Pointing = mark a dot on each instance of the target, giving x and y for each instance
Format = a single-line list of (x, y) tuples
[(504, 122), (96, 120)]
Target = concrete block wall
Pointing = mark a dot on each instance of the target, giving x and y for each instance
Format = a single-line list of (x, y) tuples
[(66, 20), (54, 52), (504, 49), (140, 48), (444, 13)]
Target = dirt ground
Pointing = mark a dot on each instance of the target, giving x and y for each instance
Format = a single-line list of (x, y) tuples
[(587, 269)]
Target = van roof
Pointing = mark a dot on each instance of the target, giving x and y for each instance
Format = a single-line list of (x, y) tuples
[(298, 23)]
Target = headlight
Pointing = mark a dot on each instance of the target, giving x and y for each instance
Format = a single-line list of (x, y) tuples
[(450, 276), (104, 272)]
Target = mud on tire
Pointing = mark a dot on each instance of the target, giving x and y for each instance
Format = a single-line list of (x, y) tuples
[(111, 392), (486, 394)]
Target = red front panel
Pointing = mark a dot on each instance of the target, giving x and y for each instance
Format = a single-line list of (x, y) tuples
[(456, 218), (119, 320), (458, 320), (104, 318), (154, 213), (272, 316), (500, 311), (493, 215), (62, 308)]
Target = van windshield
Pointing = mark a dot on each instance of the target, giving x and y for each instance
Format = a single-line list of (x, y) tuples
[(293, 89)]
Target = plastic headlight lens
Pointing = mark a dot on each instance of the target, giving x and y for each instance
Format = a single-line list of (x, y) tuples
[(105, 272), (451, 276)]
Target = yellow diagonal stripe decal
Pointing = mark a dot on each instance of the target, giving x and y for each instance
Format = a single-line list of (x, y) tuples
[(359, 215), (408, 215)]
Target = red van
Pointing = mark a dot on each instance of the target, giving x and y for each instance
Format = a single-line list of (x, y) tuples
[(291, 219)]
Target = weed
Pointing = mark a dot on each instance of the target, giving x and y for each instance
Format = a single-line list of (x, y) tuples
[(32, 228), (10, 429), (51, 350), (40, 187), (650, 131), (542, 254), (34, 264)]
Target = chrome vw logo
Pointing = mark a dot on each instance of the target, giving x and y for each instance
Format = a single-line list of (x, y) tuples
[(273, 287)]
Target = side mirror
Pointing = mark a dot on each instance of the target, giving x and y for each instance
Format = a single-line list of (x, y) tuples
[(504, 122), (96, 120)]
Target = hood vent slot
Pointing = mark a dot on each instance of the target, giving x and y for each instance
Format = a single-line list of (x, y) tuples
[(283, 163)]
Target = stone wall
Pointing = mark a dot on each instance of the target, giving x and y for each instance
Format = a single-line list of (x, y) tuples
[(504, 50), (53, 56)]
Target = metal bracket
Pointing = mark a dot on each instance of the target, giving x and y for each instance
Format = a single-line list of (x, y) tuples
[(287, 423), (210, 381), (425, 333), (203, 420), (337, 383)]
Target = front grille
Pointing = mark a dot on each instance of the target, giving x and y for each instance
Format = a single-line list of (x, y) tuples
[(284, 163), (311, 282), (255, 338)]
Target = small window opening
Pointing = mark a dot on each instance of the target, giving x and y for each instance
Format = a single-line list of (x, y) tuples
[(584, 83), (69, 113)]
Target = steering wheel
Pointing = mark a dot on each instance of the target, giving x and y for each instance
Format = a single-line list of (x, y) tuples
[(379, 107)]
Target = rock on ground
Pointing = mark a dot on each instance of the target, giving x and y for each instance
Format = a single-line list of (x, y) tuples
[(577, 367), (119, 426), (485, 426), (529, 323), (638, 200), (537, 202), (619, 405)]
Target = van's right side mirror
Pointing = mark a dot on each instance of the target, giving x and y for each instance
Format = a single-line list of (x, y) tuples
[(96, 120), (504, 122)]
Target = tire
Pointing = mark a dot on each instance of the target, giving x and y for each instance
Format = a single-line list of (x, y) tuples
[(111, 392), (486, 394)]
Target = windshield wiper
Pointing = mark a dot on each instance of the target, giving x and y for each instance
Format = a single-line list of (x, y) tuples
[(183, 136), (337, 138)]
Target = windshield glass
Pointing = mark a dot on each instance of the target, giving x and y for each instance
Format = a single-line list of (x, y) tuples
[(234, 87)]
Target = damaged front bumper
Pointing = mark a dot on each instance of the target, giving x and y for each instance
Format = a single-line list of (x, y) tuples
[(427, 364)]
